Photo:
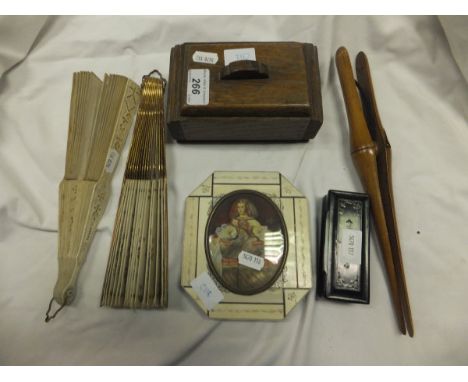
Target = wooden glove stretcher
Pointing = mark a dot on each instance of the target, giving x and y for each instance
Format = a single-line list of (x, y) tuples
[(371, 153)]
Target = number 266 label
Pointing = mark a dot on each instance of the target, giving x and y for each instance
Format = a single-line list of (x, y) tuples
[(198, 87)]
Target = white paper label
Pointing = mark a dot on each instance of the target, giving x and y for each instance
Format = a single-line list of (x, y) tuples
[(205, 57), (231, 55), (111, 161), (198, 87), (351, 242), (250, 260), (207, 290)]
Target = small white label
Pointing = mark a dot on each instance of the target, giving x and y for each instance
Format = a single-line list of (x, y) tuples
[(205, 57), (351, 243), (198, 87), (207, 290), (231, 55), (250, 260), (111, 161)]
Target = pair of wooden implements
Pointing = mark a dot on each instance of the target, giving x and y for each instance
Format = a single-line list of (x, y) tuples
[(371, 153)]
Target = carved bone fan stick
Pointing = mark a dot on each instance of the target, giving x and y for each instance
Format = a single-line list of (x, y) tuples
[(372, 162), (100, 118)]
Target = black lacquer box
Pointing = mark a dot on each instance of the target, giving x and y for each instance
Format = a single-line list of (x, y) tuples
[(343, 260)]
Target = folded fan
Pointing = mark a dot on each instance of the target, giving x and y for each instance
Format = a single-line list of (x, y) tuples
[(100, 117), (136, 275)]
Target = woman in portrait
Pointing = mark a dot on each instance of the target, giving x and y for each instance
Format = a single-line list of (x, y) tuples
[(243, 216), (243, 233)]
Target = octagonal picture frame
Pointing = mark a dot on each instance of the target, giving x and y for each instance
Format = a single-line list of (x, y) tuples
[(291, 283)]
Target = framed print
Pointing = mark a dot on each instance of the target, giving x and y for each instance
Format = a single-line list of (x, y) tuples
[(246, 241)]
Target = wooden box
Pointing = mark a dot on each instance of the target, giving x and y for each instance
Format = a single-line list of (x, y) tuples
[(249, 91)]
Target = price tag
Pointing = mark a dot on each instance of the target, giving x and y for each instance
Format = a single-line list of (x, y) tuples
[(111, 161), (198, 87), (231, 55), (250, 260), (207, 290), (205, 57), (351, 244)]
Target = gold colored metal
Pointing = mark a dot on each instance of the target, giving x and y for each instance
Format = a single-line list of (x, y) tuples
[(136, 275), (101, 114), (295, 275)]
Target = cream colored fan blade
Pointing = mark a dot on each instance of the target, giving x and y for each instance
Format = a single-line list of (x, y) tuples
[(100, 118)]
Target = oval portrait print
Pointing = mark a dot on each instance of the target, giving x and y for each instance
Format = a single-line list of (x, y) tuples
[(246, 242)]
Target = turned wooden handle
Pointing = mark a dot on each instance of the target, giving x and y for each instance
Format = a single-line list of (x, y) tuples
[(244, 70), (384, 164), (359, 134), (364, 155), (366, 166)]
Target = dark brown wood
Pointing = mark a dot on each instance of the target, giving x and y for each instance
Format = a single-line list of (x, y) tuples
[(364, 155), (286, 106), (244, 70)]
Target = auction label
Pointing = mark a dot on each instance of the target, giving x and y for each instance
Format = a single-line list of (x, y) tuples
[(351, 244), (198, 87), (111, 160), (250, 260), (205, 57), (231, 55), (206, 289)]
